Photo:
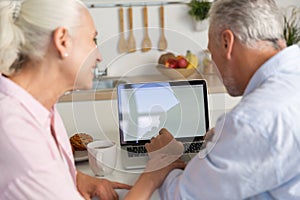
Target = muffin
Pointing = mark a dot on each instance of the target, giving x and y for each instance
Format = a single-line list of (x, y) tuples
[(79, 141)]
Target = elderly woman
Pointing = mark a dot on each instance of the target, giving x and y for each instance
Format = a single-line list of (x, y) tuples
[(46, 48)]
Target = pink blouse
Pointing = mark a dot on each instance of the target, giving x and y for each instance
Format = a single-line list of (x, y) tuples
[(32, 165)]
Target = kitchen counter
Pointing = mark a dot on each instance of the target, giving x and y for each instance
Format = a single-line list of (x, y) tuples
[(213, 82)]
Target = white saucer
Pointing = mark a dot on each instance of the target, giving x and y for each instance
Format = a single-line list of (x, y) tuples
[(80, 156)]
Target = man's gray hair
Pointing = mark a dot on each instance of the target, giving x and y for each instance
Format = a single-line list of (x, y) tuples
[(250, 20)]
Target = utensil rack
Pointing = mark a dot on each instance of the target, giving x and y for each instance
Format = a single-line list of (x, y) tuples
[(132, 4)]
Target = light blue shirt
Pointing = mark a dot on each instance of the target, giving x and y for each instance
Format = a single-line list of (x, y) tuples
[(255, 152)]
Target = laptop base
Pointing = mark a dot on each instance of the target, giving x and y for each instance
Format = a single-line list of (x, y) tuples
[(133, 162)]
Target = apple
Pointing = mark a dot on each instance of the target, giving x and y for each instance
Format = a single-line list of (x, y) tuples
[(171, 63), (182, 62)]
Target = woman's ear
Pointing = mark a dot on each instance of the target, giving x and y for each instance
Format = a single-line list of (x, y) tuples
[(227, 41), (62, 41)]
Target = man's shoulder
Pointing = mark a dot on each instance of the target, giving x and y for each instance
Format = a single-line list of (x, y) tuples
[(268, 103)]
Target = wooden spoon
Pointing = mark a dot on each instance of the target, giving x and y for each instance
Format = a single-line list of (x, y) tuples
[(162, 44), (122, 46), (146, 45), (131, 41)]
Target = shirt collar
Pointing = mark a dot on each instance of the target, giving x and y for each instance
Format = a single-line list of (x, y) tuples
[(34, 107), (270, 67)]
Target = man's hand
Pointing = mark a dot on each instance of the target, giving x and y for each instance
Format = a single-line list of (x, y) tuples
[(209, 135), (164, 152), (158, 142), (164, 144), (89, 187)]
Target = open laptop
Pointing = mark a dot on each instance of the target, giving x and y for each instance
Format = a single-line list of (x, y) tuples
[(145, 108)]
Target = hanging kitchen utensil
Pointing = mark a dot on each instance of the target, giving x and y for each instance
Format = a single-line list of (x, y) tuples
[(131, 41), (146, 44), (122, 46), (162, 44)]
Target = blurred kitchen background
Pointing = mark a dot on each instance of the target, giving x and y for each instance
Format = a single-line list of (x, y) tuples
[(179, 31)]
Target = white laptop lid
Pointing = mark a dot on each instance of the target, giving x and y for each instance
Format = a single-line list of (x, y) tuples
[(179, 106)]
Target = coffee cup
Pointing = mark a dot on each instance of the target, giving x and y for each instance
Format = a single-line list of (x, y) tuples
[(102, 156)]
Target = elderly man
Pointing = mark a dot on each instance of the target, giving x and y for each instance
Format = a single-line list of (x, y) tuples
[(254, 153)]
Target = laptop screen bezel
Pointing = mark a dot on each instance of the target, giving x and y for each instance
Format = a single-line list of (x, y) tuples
[(201, 82)]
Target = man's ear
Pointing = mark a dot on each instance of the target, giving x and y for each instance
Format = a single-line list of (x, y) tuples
[(62, 42), (227, 41)]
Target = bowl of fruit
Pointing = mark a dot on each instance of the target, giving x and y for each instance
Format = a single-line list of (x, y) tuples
[(177, 67)]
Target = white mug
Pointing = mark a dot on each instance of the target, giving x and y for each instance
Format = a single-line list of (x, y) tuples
[(102, 156)]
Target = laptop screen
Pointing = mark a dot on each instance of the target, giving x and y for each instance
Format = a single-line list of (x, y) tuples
[(179, 106)]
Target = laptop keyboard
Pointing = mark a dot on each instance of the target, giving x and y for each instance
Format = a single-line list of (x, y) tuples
[(137, 151), (193, 147), (140, 151)]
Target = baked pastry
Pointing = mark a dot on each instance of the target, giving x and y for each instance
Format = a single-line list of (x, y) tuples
[(79, 141)]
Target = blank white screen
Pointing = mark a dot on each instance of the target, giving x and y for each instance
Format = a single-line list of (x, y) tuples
[(145, 111)]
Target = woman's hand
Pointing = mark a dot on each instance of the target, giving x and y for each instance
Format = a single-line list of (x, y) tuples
[(89, 187)]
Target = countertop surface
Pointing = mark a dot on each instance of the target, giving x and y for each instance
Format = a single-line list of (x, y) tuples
[(213, 82)]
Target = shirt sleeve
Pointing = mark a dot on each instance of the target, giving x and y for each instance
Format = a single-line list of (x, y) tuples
[(233, 165)]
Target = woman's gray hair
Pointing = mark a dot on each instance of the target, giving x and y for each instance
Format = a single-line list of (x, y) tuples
[(26, 28), (250, 20)]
